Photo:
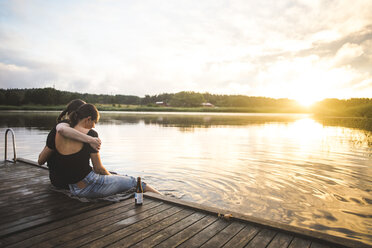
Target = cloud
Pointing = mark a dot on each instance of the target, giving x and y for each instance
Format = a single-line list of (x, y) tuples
[(270, 48)]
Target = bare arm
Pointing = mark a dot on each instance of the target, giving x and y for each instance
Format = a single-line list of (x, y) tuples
[(97, 164), (44, 155), (65, 130)]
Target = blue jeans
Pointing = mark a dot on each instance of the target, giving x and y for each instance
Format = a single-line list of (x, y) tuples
[(103, 185)]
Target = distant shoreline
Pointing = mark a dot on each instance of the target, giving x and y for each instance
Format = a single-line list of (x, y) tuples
[(139, 108), (327, 118), (42, 99)]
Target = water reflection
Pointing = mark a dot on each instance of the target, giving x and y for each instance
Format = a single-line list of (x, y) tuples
[(288, 168), (360, 123), (189, 121), (42, 120)]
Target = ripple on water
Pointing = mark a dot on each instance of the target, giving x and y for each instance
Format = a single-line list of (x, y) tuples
[(294, 171)]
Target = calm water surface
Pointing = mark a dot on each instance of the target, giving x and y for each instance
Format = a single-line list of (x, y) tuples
[(288, 168)]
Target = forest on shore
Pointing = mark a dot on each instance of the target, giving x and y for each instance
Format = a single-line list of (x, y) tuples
[(52, 99)]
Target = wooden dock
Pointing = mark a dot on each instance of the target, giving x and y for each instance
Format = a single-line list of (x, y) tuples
[(33, 215)]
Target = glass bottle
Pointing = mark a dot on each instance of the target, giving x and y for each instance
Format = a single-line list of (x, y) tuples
[(138, 195)]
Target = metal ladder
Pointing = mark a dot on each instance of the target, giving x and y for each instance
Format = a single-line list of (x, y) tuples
[(6, 146)]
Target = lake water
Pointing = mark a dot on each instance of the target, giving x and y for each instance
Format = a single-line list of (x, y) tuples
[(284, 167)]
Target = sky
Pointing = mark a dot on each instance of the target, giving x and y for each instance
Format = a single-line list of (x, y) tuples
[(305, 50)]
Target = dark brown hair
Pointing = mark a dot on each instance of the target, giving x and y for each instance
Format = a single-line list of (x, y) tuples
[(84, 111), (71, 106)]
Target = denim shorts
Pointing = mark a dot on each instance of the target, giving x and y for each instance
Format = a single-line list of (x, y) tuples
[(104, 185)]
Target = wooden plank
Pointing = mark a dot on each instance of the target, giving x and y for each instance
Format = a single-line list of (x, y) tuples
[(224, 236), (45, 199), (265, 223), (188, 232), (170, 230), (49, 208), (21, 205), (281, 240), (299, 243), (206, 234), (140, 230), (10, 171), (17, 164), (9, 185), (61, 227), (318, 245), (21, 183), (35, 213), (39, 182), (29, 162), (105, 227), (10, 192), (243, 237), (22, 175), (47, 218), (22, 172), (20, 196), (11, 188), (29, 200), (262, 239), (14, 196), (122, 224), (32, 236)]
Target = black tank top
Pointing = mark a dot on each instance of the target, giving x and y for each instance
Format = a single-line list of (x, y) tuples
[(74, 167)]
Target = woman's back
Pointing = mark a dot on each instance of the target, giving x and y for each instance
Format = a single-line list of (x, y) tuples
[(72, 158), (66, 146)]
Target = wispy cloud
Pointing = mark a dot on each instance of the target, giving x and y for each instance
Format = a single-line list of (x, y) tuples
[(270, 48)]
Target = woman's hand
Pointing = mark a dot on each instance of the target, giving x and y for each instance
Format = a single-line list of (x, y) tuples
[(65, 130), (95, 143)]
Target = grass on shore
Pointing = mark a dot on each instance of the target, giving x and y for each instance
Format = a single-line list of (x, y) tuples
[(142, 108), (364, 111), (33, 107)]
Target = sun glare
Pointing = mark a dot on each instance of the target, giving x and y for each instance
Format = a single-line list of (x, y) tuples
[(309, 94), (306, 101)]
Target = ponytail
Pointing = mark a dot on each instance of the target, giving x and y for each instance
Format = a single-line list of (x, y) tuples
[(73, 116), (71, 106), (84, 111), (60, 117)]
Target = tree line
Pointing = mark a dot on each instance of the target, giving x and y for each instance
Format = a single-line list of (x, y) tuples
[(357, 107), (51, 96), (360, 107)]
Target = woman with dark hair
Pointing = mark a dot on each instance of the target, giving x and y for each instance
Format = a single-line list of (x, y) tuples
[(72, 161), (71, 107), (63, 128)]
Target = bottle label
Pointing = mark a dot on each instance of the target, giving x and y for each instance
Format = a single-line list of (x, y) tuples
[(138, 197)]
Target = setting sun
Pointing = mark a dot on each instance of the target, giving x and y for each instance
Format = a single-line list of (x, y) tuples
[(307, 101)]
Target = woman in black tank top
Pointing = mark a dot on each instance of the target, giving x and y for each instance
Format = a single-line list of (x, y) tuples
[(63, 128), (72, 161)]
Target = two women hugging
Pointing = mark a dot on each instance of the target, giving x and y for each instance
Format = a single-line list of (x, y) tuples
[(70, 147)]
